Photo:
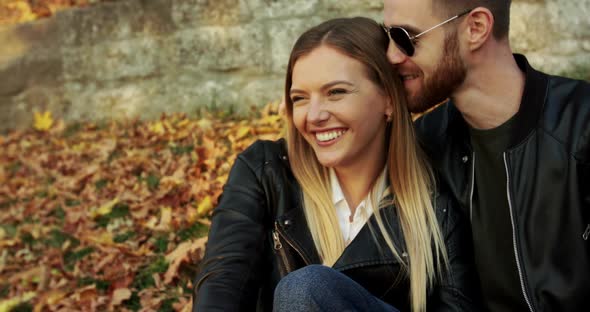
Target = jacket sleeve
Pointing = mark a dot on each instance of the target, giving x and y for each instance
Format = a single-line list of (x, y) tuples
[(459, 290), (229, 275)]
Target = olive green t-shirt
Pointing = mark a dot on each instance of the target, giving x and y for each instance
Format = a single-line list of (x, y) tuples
[(491, 222)]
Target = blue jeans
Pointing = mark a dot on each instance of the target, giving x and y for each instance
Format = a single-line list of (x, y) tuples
[(320, 288)]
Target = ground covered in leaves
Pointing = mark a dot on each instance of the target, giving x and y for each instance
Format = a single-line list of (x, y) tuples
[(21, 11), (113, 215)]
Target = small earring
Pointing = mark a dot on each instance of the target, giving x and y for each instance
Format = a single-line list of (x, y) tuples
[(388, 119)]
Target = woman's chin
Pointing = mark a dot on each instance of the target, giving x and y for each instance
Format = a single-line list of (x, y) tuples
[(329, 162)]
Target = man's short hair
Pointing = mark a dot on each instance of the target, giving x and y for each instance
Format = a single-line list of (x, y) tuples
[(499, 8)]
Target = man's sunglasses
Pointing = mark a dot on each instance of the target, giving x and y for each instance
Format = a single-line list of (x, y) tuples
[(405, 42)]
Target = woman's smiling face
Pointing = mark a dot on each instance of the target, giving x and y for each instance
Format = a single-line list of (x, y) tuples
[(339, 111)]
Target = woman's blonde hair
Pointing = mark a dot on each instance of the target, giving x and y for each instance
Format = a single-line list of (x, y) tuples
[(409, 174)]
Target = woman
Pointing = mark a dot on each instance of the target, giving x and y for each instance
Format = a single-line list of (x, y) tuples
[(349, 189)]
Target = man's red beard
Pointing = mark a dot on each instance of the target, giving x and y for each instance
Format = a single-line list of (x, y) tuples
[(445, 79)]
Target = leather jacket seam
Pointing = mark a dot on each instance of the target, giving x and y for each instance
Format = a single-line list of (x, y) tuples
[(365, 263), (563, 144)]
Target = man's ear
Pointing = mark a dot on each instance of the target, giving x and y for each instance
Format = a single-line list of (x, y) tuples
[(479, 26)]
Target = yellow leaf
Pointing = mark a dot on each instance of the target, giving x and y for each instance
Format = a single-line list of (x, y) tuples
[(183, 123), (43, 121), (157, 127), (165, 218), (105, 209), (271, 119), (79, 147), (26, 14), (8, 304), (104, 238), (242, 132), (191, 216), (151, 223), (169, 127), (205, 206), (205, 124), (51, 298)]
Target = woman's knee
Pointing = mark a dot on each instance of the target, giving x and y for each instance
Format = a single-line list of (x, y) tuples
[(304, 282)]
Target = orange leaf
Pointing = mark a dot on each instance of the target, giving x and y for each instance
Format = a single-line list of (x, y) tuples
[(180, 254)]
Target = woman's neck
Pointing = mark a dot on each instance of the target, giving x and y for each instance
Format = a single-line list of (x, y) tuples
[(356, 183)]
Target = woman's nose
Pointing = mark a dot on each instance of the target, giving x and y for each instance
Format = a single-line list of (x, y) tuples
[(394, 54), (316, 112)]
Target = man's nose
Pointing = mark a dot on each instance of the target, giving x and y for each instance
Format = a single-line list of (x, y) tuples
[(394, 54)]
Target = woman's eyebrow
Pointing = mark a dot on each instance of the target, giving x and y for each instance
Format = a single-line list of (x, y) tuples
[(337, 82), (325, 86)]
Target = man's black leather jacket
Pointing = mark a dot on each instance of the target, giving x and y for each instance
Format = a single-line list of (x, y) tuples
[(548, 184), (259, 233)]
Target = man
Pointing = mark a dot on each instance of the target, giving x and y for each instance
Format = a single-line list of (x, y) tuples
[(512, 143)]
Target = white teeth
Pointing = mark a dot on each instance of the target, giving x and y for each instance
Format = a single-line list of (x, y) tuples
[(409, 77), (328, 136)]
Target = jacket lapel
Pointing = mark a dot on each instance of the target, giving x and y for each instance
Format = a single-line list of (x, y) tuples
[(369, 246)]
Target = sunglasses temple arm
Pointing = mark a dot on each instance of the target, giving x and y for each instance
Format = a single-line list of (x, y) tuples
[(440, 24)]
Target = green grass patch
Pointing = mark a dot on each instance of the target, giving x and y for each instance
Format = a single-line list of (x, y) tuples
[(57, 238), (4, 290), (161, 243), (133, 303), (42, 194), (114, 155), (166, 305), (14, 167), (121, 238), (152, 181), (59, 213), (144, 277), (72, 202), (71, 257), (28, 239), (182, 149), (72, 129), (9, 229), (8, 203), (119, 211), (101, 285), (23, 307), (197, 230), (100, 184)]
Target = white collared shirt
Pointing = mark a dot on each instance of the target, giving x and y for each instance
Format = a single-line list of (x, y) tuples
[(352, 225)]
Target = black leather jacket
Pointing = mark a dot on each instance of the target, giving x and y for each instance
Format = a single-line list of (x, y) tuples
[(548, 168), (259, 233)]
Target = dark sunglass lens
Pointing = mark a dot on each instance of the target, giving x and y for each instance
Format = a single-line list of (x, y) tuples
[(401, 39)]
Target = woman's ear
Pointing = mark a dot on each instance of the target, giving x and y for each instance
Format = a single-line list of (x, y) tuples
[(479, 26), (388, 111)]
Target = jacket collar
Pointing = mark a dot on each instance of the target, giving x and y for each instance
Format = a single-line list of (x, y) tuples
[(532, 102), (529, 112)]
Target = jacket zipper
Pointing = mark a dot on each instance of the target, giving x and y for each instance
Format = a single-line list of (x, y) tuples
[(586, 233), (284, 266), (518, 265), (277, 230), (472, 187)]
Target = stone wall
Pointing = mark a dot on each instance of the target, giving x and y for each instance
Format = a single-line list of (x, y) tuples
[(144, 57)]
